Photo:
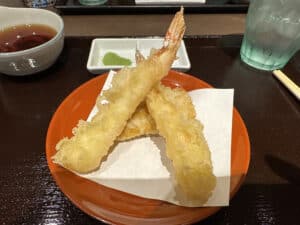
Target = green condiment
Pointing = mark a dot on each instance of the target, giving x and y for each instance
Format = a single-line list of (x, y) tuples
[(112, 59)]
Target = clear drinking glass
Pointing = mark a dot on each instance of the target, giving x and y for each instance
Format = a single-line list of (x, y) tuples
[(92, 2), (272, 33)]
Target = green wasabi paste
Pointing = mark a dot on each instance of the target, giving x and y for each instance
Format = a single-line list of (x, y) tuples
[(112, 59)]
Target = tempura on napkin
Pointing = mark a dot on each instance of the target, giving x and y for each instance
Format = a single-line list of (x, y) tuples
[(92, 140), (138, 104), (185, 144), (141, 123)]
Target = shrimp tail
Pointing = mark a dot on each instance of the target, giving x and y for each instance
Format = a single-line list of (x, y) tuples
[(175, 31)]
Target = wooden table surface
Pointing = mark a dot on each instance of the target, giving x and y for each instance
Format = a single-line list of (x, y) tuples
[(270, 193)]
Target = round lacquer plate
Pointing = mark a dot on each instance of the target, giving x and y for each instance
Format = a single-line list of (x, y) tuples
[(117, 207)]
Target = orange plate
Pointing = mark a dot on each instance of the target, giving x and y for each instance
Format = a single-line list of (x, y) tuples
[(114, 206)]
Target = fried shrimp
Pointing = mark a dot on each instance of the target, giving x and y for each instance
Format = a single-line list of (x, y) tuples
[(185, 145), (142, 123), (92, 140)]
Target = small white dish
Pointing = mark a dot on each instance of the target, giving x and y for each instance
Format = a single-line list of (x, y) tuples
[(126, 47)]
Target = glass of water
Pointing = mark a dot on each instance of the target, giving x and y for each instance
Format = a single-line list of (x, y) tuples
[(272, 33)]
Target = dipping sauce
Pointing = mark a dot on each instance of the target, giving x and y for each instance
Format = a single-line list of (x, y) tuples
[(24, 36), (113, 59)]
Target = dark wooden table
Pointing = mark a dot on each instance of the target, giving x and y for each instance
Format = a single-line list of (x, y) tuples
[(269, 195)]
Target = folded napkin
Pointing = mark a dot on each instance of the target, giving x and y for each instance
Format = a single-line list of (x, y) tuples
[(141, 167), (168, 1)]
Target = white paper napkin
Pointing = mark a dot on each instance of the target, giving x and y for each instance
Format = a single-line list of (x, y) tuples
[(141, 167), (168, 1)]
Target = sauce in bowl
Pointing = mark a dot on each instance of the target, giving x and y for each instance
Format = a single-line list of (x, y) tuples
[(25, 36)]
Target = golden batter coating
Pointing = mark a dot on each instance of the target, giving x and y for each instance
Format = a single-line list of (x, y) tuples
[(185, 145), (92, 140), (142, 123)]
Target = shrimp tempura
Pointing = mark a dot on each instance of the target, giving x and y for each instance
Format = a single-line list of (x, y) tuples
[(92, 140), (185, 145), (142, 123)]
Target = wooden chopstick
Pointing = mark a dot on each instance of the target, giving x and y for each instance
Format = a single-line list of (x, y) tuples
[(294, 88)]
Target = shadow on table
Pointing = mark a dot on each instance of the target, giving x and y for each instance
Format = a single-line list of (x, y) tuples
[(261, 204), (286, 170), (230, 44)]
